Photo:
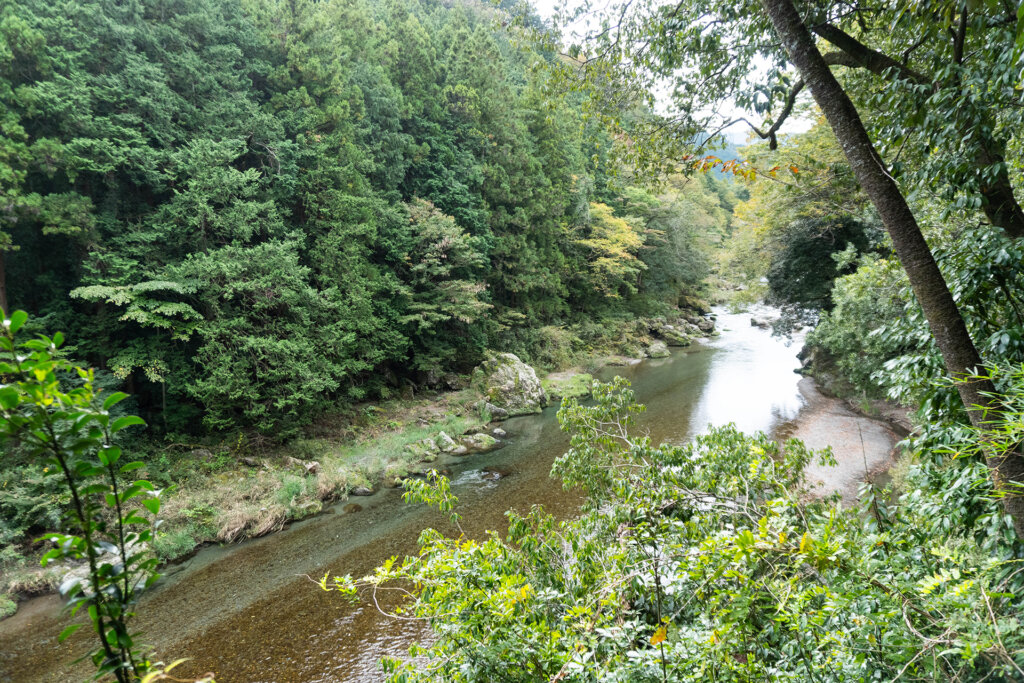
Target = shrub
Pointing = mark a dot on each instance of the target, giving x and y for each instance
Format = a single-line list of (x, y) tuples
[(709, 561)]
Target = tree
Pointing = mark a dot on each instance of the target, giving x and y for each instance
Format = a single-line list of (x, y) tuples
[(446, 297), (613, 243), (963, 363), (712, 52), (110, 522)]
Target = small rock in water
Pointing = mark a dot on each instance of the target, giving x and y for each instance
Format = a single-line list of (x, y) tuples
[(361, 491), (480, 442), (496, 472), (498, 432), (353, 507)]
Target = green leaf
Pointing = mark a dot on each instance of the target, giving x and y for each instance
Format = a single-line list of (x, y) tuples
[(18, 319), (126, 421), (114, 399), (109, 456), (8, 398), (152, 504), (66, 633), (128, 467)]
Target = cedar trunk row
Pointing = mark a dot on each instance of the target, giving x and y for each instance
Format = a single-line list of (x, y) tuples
[(947, 326)]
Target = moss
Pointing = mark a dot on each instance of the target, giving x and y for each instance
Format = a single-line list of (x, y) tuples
[(560, 386), (7, 606)]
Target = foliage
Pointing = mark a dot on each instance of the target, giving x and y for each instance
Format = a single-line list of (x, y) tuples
[(877, 335), (250, 211), (803, 231), (864, 302), (614, 243), (73, 432), (708, 561)]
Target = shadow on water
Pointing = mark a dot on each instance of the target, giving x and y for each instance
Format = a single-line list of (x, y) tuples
[(249, 612)]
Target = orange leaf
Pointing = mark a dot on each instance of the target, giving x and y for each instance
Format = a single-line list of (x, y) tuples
[(659, 635), (794, 170)]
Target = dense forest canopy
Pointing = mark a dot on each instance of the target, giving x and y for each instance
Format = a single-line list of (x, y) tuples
[(244, 211)]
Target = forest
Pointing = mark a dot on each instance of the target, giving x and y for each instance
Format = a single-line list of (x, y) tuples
[(259, 258)]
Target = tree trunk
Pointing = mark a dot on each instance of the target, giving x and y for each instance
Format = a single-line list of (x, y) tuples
[(1000, 207), (3, 283), (947, 326)]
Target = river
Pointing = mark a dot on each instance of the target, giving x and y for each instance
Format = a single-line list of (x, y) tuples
[(249, 613)]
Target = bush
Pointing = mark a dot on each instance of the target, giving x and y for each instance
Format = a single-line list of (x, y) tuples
[(710, 562)]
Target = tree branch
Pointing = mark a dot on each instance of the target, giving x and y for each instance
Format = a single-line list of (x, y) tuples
[(862, 56)]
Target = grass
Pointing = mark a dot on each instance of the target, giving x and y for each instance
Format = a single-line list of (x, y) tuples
[(563, 385), (237, 501)]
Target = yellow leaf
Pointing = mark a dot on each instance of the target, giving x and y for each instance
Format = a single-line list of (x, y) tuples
[(659, 635)]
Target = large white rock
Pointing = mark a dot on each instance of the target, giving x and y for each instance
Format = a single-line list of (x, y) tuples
[(509, 384)]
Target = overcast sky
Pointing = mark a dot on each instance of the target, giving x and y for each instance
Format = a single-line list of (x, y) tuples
[(738, 134)]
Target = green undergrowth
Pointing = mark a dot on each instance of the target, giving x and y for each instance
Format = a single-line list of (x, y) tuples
[(710, 561), (566, 385)]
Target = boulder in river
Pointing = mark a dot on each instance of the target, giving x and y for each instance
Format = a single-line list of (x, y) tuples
[(496, 472), (673, 336), (479, 443), (510, 385), (422, 449), (706, 325), (494, 411), (361, 491), (658, 349), (759, 321), (445, 442)]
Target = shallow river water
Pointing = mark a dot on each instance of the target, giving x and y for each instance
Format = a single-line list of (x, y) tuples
[(250, 614)]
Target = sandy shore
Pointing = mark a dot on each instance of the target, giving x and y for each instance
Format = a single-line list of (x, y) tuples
[(863, 446)]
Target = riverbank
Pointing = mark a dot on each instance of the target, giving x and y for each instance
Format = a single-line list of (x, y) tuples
[(242, 488), (864, 446)]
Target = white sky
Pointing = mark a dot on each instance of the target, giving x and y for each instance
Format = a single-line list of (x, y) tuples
[(737, 134)]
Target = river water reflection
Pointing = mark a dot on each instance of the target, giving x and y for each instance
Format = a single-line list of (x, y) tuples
[(249, 612)]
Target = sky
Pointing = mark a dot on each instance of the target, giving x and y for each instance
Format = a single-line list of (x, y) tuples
[(738, 134)]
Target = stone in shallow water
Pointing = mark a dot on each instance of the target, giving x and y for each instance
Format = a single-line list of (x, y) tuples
[(479, 443), (445, 443), (658, 349)]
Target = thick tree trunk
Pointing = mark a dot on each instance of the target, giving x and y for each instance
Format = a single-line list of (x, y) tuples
[(1001, 207), (947, 326), (3, 282)]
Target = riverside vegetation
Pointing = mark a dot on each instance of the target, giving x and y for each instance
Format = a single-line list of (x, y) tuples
[(276, 224), (284, 227)]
